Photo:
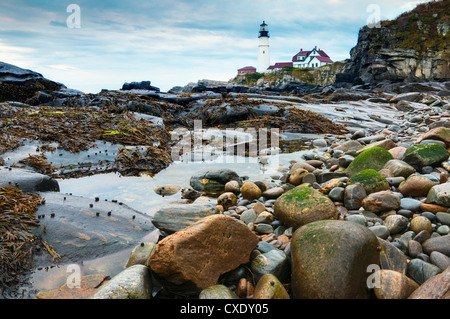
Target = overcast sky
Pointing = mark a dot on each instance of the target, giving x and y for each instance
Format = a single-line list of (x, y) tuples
[(174, 42)]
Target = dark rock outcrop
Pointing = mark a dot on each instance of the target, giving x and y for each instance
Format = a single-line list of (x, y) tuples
[(414, 47)]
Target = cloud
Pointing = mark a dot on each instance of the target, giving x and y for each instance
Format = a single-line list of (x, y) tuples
[(172, 42)]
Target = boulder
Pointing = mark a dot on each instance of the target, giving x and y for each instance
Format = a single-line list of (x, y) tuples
[(81, 228), (27, 180), (250, 191), (192, 259), (132, 283), (217, 292), (399, 168), (373, 158), (302, 205), (174, 217), (330, 260), (437, 287), (381, 201), (439, 134), (440, 244), (421, 271), (439, 194), (393, 285), (269, 287), (416, 186), (212, 181), (422, 155), (353, 196), (371, 180)]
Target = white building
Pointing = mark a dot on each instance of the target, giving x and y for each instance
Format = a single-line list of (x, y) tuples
[(311, 59), (264, 49)]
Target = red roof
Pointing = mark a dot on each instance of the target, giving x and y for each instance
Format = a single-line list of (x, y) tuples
[(282, 65), (324, 59), (306, 53), (247, 68)]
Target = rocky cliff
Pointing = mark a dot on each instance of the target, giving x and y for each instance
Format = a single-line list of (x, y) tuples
[(413, 47)]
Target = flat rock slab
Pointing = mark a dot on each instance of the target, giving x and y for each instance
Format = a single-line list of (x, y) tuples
[(27, 180), (74, 230)]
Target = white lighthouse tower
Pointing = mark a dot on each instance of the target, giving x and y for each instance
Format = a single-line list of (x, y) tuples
[(264, 53)]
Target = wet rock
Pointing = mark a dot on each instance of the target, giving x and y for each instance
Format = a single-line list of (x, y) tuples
[(421, 223), (437, 287), (174, 217), (217, 292), (263, 229), (233, 186), (425, 155), (396, 223), (381, 201), (396, 259), (248, 216), (250, 191), (440, 244), (302, 205), (77, 230), (274, 262), (140, 254), (269, 287), (416, 186), (353, 196), (190, 193), (167, 190), (212, 181), (337, 194), (330, 260), (371, 180), (296, 177), (414, 248), (273, 193), (399, 168), (438, 133), (433, 208), (193, 259), (410, 204), (374, 158), (387, 144), (132, 283), (398, 152), (359, 219), (440, 260), (421, 271), (27, 180), (393, 285), (439, 194), (227, 200), (443, 230), (349, 146), (264, 218), (89, 284), (380, 231)]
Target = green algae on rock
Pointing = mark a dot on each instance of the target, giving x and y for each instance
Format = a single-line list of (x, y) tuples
[(302, 205), (373, 158), (425, 155), (371, 180), (330, 260)]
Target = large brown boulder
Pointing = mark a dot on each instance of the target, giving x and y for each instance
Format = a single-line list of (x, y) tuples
[(330, 259), (193, 259)]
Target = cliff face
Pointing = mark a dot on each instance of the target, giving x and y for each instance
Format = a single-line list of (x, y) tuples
[(414, 47)]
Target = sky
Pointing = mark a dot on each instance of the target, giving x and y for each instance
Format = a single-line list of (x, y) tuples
[(90, 45)]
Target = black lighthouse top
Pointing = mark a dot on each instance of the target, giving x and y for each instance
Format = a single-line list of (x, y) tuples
[(263, 30)]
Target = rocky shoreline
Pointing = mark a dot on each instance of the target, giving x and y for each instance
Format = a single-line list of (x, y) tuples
[(363, 214)]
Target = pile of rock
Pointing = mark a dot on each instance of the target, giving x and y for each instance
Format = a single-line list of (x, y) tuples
[(374, 225)]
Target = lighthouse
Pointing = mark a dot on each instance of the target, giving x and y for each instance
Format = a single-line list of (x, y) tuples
[(264, 54)]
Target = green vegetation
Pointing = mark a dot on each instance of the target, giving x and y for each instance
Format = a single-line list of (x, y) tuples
[(323, 75), (375, 157), (371, 180), (421, 28)]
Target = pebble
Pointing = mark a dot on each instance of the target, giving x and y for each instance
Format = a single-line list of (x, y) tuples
[(440, 260), (396, 223), (380, 231), (421, 223)]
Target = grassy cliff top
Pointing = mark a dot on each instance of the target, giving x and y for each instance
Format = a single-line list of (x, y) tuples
[(425, 27)]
